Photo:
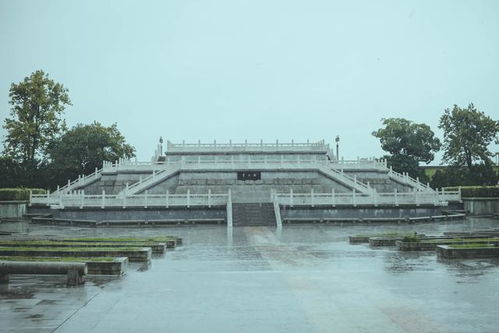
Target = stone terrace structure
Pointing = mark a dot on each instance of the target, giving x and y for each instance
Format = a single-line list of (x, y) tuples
[(243, 184)]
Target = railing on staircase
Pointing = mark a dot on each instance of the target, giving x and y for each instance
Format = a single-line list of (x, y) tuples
[(277, 209), (345, 179), (81, 181), (408, 180), (147, 182)]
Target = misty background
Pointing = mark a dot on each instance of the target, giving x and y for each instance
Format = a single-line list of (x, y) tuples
[(256, 69)]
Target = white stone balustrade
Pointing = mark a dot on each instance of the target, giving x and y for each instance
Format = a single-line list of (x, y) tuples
[(440, 198)]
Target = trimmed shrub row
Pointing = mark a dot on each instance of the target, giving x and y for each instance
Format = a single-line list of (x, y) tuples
[(18, 193), (477, 191)]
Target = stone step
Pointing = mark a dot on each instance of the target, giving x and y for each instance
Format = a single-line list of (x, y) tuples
[(246, 214)]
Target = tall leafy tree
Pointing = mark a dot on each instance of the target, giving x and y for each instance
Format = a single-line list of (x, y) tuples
[(11, 174), (35, 117), (83, 148), (467, 135), (408, 144)]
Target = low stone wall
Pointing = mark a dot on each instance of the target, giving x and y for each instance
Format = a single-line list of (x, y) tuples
[(12, 209), (153, 215), (481, 206)]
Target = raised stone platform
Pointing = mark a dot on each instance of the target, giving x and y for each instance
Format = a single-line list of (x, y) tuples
[(241, 184)]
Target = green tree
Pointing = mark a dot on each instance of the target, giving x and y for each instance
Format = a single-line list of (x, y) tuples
[(11, 173), (467, 135), (37, 104), (408, 143), (84, 147)]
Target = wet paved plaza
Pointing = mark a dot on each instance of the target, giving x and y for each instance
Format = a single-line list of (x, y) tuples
[(256, 279)]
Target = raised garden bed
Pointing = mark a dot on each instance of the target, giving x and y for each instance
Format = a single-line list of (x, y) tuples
[(364, 238), (75, 271), (170, 241), (467, 251), (133, 254), (157, 248), (96, 266), (431, 244)]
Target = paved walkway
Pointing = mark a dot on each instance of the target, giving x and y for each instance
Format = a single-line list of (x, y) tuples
[(299, 279)]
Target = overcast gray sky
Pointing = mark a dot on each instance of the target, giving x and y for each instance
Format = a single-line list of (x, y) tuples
[(256, 69)]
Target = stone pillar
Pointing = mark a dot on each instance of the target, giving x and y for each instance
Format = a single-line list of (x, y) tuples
[(229, 209)]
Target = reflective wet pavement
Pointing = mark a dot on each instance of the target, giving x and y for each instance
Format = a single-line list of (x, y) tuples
[(257, 279)]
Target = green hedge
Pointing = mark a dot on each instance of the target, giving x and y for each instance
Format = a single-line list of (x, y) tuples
[(18, 193), (477, 191)]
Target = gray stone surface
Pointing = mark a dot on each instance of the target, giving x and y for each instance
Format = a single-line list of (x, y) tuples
[(481, 206), (359, 212), (258, 279), (117, 214), (12, 209)]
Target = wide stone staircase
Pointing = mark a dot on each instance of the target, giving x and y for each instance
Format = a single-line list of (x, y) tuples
[(253, 214)]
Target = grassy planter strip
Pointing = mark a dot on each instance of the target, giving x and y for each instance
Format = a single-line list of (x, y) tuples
[(118, 267), (364, 238), (133, 254), (358, 239), (431, 244), (157, 248), (467, 251), (96, 266), (170, 241), (469, 234)]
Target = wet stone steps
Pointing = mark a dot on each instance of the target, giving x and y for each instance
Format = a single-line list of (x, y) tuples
[(253, 214)]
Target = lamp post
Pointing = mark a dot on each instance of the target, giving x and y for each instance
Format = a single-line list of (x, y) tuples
[(337, 147)]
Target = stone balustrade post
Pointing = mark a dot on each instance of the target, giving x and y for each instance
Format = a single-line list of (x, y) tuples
[(124, 200), (103, 199)]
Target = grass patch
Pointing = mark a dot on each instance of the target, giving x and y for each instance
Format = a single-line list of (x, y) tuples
[(73, 244), (70, 249), (462, 240), (414, 238), (387, 234), (472, 246), (57, 259), (124, 239)]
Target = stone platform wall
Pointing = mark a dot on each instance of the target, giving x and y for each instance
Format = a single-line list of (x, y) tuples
[(12, 209), (358, 212)]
